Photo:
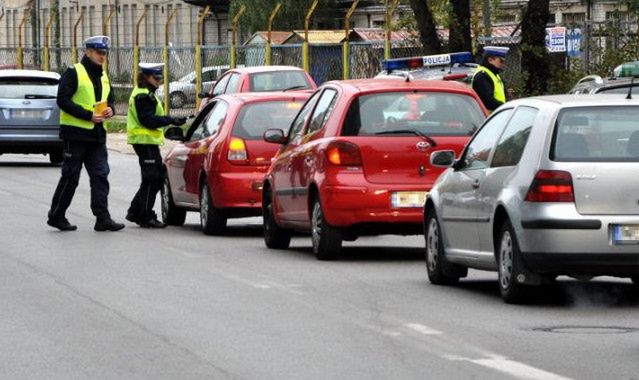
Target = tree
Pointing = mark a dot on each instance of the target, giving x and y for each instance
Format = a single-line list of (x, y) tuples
[(459, 30), (535, 60), (426, 26)]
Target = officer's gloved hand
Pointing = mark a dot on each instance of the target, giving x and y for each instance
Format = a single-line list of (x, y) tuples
[(178, 120)]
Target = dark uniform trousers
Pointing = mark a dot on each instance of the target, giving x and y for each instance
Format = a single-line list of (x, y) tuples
[(152, 175), (94, 156)]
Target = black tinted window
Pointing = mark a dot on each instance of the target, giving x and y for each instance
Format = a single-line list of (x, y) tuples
[(513, 141)]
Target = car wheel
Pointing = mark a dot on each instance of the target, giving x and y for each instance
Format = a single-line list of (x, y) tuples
[(212, 220), (635, 282), (439, 270), (275, 237), (510, 265), (177, 99), (327, 240), (56, 157), (171, 214)]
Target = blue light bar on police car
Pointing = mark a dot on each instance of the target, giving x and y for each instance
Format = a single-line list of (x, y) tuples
[(427, 61)]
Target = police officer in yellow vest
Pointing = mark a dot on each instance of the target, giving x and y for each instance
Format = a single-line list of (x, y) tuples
[(86, 101), (486, 82), (145, 122)]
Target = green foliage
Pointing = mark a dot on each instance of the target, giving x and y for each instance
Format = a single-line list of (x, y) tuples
[(116, 125)]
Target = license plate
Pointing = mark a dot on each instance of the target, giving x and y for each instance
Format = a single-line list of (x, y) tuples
[(625, 234), (401, 199), (27, 114)]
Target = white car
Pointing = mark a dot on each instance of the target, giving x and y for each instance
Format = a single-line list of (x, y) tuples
[(182, 91)]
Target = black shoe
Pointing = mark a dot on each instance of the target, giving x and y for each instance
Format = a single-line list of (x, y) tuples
[(108, 225), (134, 219), (62, 224), (152, 223)]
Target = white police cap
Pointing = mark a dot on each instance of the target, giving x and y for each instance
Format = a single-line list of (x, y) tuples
[(151, 68), (98, 42), (496, 51)]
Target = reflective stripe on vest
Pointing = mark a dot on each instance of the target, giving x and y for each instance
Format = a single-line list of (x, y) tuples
[(499, 93), (136, 132), (84, 96)]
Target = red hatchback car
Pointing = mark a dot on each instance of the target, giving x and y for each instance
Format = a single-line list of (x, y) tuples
[(356, 160), (218, 166), (260, 79)]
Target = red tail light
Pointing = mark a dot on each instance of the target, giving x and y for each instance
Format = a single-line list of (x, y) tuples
[(237, 151), (343, 153), (454, 77), (551, 186)]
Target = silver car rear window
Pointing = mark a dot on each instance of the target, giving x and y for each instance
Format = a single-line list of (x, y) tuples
[(28, 88), (596, 134), (429, 113)]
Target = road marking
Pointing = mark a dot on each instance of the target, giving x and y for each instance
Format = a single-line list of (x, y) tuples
[(422, 329), (516, 369)]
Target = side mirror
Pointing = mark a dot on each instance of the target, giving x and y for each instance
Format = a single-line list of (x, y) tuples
[(174, 133), (204, 95), (442, 158), (275, 136)]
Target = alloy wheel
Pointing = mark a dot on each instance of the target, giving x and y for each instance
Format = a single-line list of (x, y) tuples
[(506, 260)]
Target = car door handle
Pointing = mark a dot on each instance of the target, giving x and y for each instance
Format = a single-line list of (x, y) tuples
[(476, 184)]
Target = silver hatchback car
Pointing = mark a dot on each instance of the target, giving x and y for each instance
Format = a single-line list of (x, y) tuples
[(548, 186)]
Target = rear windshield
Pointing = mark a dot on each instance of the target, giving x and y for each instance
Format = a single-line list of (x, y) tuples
[(617, 90), (28, 88), (256, 118), (279, 81), (597, 134), (429, 113)]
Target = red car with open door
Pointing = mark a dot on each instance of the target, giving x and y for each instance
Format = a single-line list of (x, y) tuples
[(219, 165), (356, 159)]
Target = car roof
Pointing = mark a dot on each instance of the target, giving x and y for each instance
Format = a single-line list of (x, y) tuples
[(398, 84), (251, 97), (29, 73), (576, 100), (261, 69)]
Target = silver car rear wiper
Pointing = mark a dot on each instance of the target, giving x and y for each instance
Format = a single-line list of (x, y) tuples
[(411, 131)]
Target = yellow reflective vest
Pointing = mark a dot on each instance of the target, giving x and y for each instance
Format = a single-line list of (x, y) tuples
[(499, 93), (84, 96), (138, 133)]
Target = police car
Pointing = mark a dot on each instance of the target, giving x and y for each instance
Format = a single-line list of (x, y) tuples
[(618, 83), (454, 66)]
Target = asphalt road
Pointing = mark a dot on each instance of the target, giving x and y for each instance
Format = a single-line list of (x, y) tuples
[(175, 304)]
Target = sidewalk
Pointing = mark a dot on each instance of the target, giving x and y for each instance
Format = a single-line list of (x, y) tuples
[(117, 142)]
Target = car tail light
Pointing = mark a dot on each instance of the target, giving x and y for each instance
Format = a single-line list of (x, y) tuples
[(237, 150), (343, 153), (454, 76), (551, 186)]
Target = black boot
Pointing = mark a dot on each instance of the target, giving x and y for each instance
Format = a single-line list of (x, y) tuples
[(133, 218), (107, 224), (152, 223), (62, 224)]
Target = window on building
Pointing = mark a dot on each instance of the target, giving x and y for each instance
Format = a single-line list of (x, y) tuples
[(573, 18)]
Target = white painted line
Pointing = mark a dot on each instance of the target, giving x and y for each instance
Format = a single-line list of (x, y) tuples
[(422, 329), (518, 370)]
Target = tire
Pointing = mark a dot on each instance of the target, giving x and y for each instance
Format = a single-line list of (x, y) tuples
[(635, 283), (171, 214), (440, 271), (327, 240), (212, 220), (177, 99), (275, 237), (510, 265), (56, 157)]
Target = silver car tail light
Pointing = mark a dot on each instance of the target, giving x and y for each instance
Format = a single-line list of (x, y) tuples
[(551, 186)]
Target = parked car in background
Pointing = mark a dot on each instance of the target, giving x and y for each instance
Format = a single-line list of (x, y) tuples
[(30, 117), (182, 91), (355, 160), (546, 187), (218, 167), (260, 79), (618, 83), (454, 66)]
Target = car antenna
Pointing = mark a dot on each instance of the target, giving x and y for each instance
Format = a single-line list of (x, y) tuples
[(632, 81), (407, 78)]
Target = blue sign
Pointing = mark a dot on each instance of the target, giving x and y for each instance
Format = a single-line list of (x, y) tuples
[(573, 42)]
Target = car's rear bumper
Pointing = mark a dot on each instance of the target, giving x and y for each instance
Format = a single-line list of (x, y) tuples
[(238, 190), (346, 206), (29, 140), (596, 264)]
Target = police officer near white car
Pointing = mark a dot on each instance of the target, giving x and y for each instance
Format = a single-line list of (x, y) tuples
[(86, 102), (145, 123), (487, 82)]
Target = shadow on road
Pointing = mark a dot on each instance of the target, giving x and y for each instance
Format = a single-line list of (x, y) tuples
[(28, 164), (355, 254)]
